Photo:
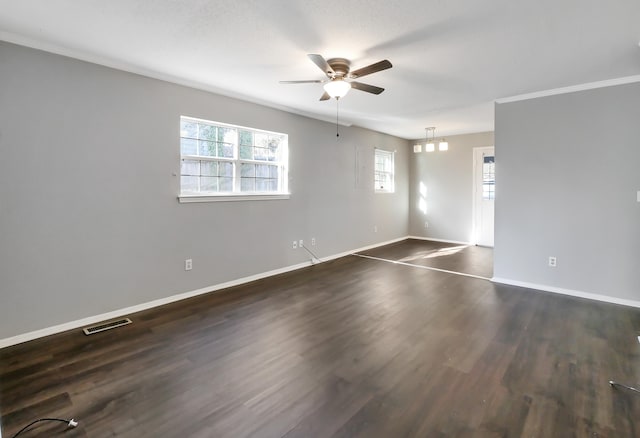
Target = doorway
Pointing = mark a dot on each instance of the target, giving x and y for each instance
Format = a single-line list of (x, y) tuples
[(484, 193)]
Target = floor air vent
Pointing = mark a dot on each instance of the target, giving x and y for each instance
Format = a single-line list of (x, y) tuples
[(106, 326)]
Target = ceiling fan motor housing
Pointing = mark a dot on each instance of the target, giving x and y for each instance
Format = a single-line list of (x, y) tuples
[(340, 67)]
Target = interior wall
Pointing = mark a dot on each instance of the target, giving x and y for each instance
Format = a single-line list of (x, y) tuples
[(567, 172), (446, 179), (89, 179)]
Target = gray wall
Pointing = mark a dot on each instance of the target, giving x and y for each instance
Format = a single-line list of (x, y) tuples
[(448, 177), (567, 169), (89, 220)]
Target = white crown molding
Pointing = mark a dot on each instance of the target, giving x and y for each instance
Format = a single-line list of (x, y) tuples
[(571, 89), (25, 337), (570, 292)]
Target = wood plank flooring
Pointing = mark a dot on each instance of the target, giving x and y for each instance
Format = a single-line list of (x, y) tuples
[(354, 347), (467, 259)]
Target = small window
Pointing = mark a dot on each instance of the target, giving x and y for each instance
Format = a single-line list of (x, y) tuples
[(488, 178), (222, 160), (384, 170)]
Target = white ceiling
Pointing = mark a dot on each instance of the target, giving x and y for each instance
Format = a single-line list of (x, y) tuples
[(451, 59)]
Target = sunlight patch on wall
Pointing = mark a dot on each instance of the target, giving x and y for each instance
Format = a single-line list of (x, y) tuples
[(422, 202)]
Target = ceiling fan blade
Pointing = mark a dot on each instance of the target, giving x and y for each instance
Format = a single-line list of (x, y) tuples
[(312, 81), (373, 68), (366, 87), (325, 96), (322, 64)]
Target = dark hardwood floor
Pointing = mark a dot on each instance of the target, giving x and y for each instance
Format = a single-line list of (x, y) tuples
[(354, 347), (467, 259)]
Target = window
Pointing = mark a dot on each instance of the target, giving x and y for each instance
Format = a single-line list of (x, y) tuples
[(225, 161), (488, 178), (383, 174)]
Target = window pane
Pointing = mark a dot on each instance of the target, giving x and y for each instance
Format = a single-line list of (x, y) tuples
[(189, 183), (262, 154), (274, 142), (207, 148), (261, 140), (266, 185), (227, 135), (248, 184), (188, 129), (225, 169), (488, 178), (246, 152), (209, 184), (209, 168), (247, 170), (225, 184), (190, 167), (188, 146), (206, 132), (262, 171), (246, 138), (225, 150)]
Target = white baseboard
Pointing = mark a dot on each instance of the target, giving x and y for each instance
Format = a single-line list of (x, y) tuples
[(457, 242), (570, 292), (25, 337)]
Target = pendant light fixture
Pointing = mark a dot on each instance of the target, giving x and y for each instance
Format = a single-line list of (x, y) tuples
[(429, 144)]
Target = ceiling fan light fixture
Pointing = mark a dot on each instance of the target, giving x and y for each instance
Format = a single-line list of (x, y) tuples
[(337, 88)]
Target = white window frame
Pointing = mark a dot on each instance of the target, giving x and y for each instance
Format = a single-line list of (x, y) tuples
[(237, 194), (385, 155)]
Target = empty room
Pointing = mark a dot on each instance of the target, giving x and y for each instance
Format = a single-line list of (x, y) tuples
[(319, 219)]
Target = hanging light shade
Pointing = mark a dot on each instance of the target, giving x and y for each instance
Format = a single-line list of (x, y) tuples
[(443, 145), (429, 146), (337, 88)]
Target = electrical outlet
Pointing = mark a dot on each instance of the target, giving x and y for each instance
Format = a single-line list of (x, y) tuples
[(188, 264), (295, 244), (301, 243), (375, 228), (426, 224), (313, 241), (553, 262)]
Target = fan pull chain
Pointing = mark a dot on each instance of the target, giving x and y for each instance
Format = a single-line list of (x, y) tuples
[(337, 115)]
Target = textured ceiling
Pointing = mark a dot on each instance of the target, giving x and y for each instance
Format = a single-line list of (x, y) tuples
[(452, 59)]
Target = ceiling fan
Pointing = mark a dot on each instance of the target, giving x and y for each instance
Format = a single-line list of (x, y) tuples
[(338, 71)]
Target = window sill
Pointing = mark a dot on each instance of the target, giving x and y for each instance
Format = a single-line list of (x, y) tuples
[(188, 199)]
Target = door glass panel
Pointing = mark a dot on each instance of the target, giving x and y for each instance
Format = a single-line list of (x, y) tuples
[(488, 178)]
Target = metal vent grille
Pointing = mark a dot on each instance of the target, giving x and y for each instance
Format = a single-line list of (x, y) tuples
[(106, 326)]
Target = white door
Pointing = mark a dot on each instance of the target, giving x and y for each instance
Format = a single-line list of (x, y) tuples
[(484, 193)]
